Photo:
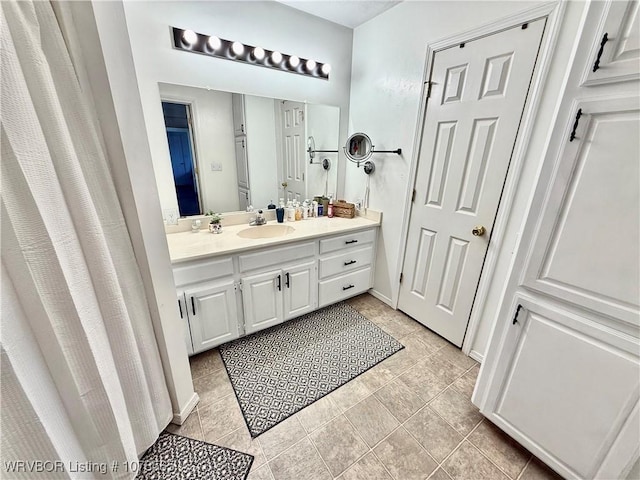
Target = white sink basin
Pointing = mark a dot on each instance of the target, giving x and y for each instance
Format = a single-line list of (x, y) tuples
[(266, 231)]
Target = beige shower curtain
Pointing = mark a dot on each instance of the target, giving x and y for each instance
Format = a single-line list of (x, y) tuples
[(81, 385)]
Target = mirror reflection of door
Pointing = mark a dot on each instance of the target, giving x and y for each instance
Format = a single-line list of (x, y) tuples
[(179, 135), (293, 133)]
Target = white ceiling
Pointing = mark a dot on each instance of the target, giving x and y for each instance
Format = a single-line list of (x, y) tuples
[(349, 13)]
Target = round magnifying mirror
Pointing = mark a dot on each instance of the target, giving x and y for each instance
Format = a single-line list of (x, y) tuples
[(358, 147), (311, 148)]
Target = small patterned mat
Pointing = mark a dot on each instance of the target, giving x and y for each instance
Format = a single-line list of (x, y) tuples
[(174, 457), (277, 372)]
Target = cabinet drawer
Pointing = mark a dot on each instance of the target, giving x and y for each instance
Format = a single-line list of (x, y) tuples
[(276, 256), (344, 286), (346, 262), (202, 271), (346, 241)]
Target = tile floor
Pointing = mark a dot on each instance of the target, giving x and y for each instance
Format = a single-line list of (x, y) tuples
[(409, 417)]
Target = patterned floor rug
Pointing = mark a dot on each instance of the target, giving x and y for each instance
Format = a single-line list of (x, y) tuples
[(277, 372), (174, 457)]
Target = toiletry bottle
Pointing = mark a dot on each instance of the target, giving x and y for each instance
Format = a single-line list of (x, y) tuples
[(287, 211), (320, 210), (314, 209), (280, 211), (330, 208), (271, 205), (298, 211), (305, 210)]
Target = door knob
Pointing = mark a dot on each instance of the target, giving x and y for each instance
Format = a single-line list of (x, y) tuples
[(479, 230)]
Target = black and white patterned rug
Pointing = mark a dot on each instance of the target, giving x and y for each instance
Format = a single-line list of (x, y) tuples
[(277, 372), (174, 457)]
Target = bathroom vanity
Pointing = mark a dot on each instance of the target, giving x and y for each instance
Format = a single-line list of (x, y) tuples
[(229, 285)]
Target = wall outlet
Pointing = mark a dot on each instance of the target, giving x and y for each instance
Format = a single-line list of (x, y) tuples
[(216, 166), (170, 216)]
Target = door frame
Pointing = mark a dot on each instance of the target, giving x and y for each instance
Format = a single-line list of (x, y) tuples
[(191, 104), (554, 13)]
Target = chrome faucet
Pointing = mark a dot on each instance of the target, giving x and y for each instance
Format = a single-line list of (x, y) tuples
[(259, 220)]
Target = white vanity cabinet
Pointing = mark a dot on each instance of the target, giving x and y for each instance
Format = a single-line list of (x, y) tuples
[(345, 266), (274, 294), (226, 296), (207, 302)]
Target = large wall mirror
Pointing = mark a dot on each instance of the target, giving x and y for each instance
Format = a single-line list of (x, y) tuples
[(231, 150)]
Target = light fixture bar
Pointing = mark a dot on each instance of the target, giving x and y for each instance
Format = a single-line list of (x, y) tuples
[(190, 41)]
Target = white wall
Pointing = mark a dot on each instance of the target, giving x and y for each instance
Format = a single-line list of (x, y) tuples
[(387, 76), (214, 142), (322, 122), (269, 24), (260, 117)]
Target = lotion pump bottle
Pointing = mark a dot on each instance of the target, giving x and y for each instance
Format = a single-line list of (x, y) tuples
[(330, 208)]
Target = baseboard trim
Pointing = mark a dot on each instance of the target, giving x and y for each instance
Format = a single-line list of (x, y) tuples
[(478, 357), (381, 297), (180, 417)]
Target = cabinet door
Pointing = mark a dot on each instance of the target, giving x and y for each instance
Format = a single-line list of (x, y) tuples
[(615, 51), (300, 290), (237, 103), (213, 316), (587, 248), (242, 165), (184, 318), (568, 390), (262, 300)]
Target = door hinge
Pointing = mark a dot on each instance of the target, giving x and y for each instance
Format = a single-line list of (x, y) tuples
[(413, 196), (429, 89), (401, 277), (237, 286)]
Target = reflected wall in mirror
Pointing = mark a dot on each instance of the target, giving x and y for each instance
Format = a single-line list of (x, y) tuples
[(231, 150)]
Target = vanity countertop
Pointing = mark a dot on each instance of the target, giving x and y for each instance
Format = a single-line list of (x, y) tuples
[(186, 246)]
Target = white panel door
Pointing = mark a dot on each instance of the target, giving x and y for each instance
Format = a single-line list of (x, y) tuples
[(213, 316), (588, 251), (300, 290), (293, 149), (469, 130), (616, 48), (262, 300), (567, 386)]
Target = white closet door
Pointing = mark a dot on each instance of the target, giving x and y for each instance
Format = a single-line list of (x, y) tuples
[(470, 127)]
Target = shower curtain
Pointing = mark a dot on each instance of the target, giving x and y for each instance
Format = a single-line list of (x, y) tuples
[(82, 387)]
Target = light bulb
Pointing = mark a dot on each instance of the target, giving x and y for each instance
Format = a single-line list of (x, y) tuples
[(258, 53), (237, 48), (326, 68), (276, 57), (294, 61), (311, 65), (189, 37), (214, 43)]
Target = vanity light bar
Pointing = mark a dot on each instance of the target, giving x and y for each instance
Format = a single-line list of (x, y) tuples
[(190, 41)]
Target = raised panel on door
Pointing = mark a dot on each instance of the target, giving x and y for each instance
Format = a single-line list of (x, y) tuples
[(212, 314), (588, 247), (300, 290), (244, 198), (615, 51), (262, 300), (566, 389), (294, 149), (242, 165), (184, 319), (470, 127)]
